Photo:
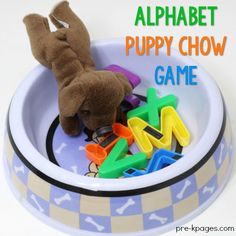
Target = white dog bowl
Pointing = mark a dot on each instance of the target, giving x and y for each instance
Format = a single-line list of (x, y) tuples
[(144, 205)]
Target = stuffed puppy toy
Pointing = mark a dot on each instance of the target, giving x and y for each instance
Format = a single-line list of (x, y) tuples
[(85, 93)]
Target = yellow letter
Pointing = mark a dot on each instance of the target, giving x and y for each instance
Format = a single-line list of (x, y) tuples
[(146, 136)]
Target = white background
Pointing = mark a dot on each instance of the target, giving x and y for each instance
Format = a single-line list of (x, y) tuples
[(110, 19)]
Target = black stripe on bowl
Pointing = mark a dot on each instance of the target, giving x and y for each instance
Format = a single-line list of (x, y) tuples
[(120, 193)]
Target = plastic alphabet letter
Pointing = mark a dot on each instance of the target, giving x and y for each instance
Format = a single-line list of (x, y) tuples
[(98, 152), (146, 136), (150, 112), (117, 161), (160, 159)]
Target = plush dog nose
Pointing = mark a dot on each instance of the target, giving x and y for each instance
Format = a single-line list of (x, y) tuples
[(103, 130)]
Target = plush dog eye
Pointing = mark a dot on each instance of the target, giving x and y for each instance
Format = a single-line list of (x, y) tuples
[(85, 112)]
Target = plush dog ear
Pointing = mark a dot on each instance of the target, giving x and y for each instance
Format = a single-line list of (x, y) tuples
[(125, 82), (71, 98)]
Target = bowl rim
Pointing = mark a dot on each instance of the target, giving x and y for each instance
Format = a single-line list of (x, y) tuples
[(117, 187)]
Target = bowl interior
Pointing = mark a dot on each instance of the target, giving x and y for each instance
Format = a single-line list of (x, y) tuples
[(41, 105), (200, 107)]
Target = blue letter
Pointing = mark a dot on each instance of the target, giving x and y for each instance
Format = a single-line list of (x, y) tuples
[(192, 76), (169, 76), (161, 68)]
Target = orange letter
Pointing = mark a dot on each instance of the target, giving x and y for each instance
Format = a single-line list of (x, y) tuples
[(168, 44), (140, 47), (159, 44), (192, 45), (129, 44), (208, 46), (218, 48), (181, 41), (150, 42)]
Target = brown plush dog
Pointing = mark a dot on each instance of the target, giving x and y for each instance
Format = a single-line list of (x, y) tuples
[(84, 92)]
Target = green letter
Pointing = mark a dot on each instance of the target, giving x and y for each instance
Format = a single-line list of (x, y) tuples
[(117, 161), (169, 15), (140, 17), (159, 14), (149, 21), (193, 16), (202, 16), (212, 10), (181, 16), (151, 111)]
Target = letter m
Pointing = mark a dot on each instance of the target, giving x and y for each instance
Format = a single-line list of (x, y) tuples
[(147, 136)]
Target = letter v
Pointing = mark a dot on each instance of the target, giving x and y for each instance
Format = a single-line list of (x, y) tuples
[(117, 161)]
